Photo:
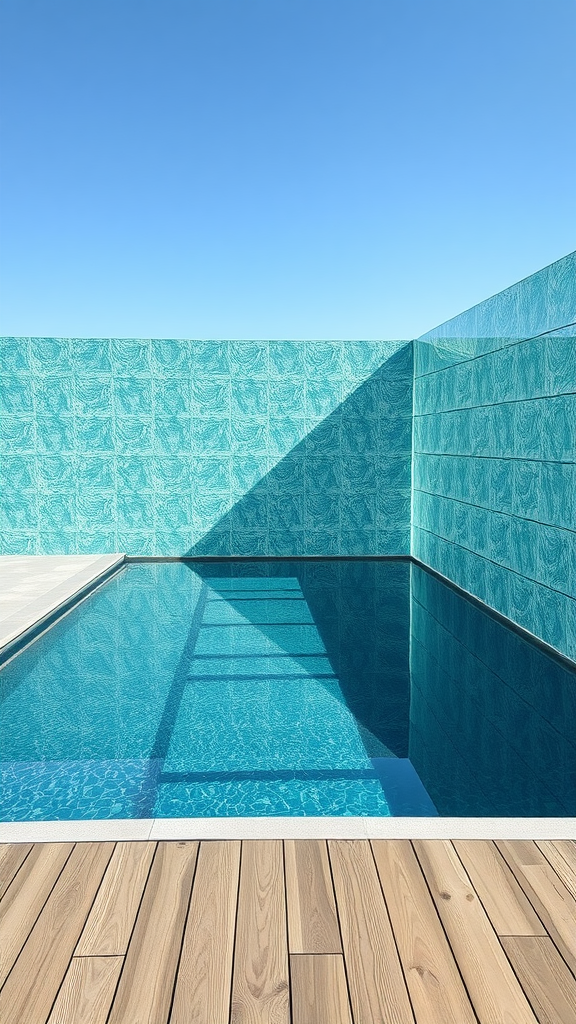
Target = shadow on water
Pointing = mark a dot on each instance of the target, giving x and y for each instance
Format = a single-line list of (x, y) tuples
[(491, 714)]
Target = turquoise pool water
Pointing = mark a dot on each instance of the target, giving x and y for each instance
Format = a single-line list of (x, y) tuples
[(341, 687)]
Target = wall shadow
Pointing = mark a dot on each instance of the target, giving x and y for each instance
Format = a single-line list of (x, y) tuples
[(344, 623), (343, 489)]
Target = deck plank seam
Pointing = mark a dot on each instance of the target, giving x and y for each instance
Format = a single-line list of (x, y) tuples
[(67, 968), (500, 937), (527, 889), (186, 916), (19, 868), (136, 915), (36, 919), (569, 868), (233, 963), (288, 951), (447, 937), (344, 960), (396, 946)]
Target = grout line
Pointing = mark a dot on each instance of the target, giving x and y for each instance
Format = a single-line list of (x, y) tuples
[(495, 458), (493, 511), (495, 405), (481, 355), (499, 565)]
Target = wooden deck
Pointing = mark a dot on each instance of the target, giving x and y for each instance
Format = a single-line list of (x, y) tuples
[(293, 932)]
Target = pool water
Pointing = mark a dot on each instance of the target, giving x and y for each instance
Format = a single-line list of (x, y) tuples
[(196, 689)]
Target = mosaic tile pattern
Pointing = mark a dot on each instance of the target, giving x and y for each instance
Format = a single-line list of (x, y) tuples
[(494, 464), (169, 447)]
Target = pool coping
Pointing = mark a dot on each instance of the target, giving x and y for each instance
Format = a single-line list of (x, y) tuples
[(141, 829), (60, 600)]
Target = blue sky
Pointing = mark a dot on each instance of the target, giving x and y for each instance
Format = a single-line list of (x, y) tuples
[(279, 168)]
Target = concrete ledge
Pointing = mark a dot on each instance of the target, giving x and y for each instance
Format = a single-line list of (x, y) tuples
[(287, 828), (36, 589)]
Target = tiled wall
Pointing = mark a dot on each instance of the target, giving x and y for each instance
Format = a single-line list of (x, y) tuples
[(175, 447), (494, 462)]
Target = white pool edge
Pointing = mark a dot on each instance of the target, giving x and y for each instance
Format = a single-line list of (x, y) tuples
[(286, 828)]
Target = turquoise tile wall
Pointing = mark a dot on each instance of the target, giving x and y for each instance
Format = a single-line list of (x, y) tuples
[(494, 461), (232, 448)]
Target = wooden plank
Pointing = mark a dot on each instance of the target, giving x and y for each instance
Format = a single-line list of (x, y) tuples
[(24, 899), (436, 990), (12, 856), (548, 983), (510, 912), (260, 990), (562, 856), (319, 992), (87, 990), (36, 977), (111, 920), (377, 987), (147, 981), (312, 920), (492, 985), (551, 899), (205, 972)]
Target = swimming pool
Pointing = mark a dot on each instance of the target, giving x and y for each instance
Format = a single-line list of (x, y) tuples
[(305, 687)]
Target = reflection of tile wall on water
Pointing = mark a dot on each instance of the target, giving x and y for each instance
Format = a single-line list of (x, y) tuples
[(129, 640), (490, 715), (167, 447), (494, 474)]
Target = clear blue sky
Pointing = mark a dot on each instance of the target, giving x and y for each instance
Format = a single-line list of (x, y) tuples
[(279, 168)]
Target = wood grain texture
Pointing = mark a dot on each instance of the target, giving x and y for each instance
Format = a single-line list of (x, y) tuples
[(35, 979), (111, 920), (510, 912), (319, 992), (87, 990), (562, 856), (312, 920), (12, 856), (24, 900), (147, 981), (205, 972), (436, 990), (553, 903), (544, 976), (260, 989), (492, 985), (377, 987)]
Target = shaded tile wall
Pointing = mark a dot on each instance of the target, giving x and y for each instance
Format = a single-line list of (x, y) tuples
[(491, 716), (494, 463), (174, 447)]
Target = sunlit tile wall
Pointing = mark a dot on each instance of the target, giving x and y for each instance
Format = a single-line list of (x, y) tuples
[(219, 448), (494, 503)]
